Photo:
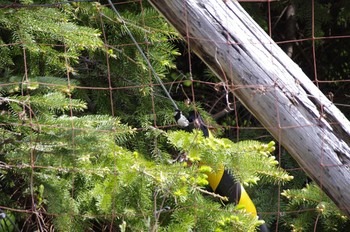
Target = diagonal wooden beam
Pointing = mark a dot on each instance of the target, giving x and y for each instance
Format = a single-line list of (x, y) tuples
[(271, 86)]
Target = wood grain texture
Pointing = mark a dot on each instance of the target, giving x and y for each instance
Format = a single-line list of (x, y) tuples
[(271, 86)]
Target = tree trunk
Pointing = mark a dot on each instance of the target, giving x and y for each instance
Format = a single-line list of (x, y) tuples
[(271, 86), (290, 30)]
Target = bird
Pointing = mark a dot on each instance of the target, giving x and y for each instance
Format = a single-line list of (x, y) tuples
[(222, 181), (181, 120)]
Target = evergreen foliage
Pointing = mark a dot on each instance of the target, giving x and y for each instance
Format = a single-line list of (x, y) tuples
[(80, 148), (324, 214), (40, 30), (75, 166), (328, 19), (248, 160)]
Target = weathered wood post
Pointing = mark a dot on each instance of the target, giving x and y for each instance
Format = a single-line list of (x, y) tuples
[(271, 86)]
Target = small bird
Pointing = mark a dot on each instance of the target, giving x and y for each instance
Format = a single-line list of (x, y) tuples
[(181, 120)]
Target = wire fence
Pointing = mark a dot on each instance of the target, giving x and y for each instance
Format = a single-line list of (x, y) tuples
[(222, 103)]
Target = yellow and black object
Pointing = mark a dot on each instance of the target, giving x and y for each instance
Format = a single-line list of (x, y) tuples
[(223, 182)]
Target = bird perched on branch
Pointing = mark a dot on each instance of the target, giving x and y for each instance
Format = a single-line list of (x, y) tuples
[(222, 182), (181, 120)]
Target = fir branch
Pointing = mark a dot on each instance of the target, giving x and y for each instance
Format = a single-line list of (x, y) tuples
[(223, 198)]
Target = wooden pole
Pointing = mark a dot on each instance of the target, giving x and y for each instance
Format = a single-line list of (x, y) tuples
[(271, 86)]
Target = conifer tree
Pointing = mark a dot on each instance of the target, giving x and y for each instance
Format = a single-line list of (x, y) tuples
[(80, 148)]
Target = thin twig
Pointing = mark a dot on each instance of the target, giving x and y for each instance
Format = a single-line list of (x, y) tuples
[(223, 198)]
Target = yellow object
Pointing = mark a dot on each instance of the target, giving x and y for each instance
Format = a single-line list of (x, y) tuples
[(247, 202), (239, 195), (222, 182), (214, 178)]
